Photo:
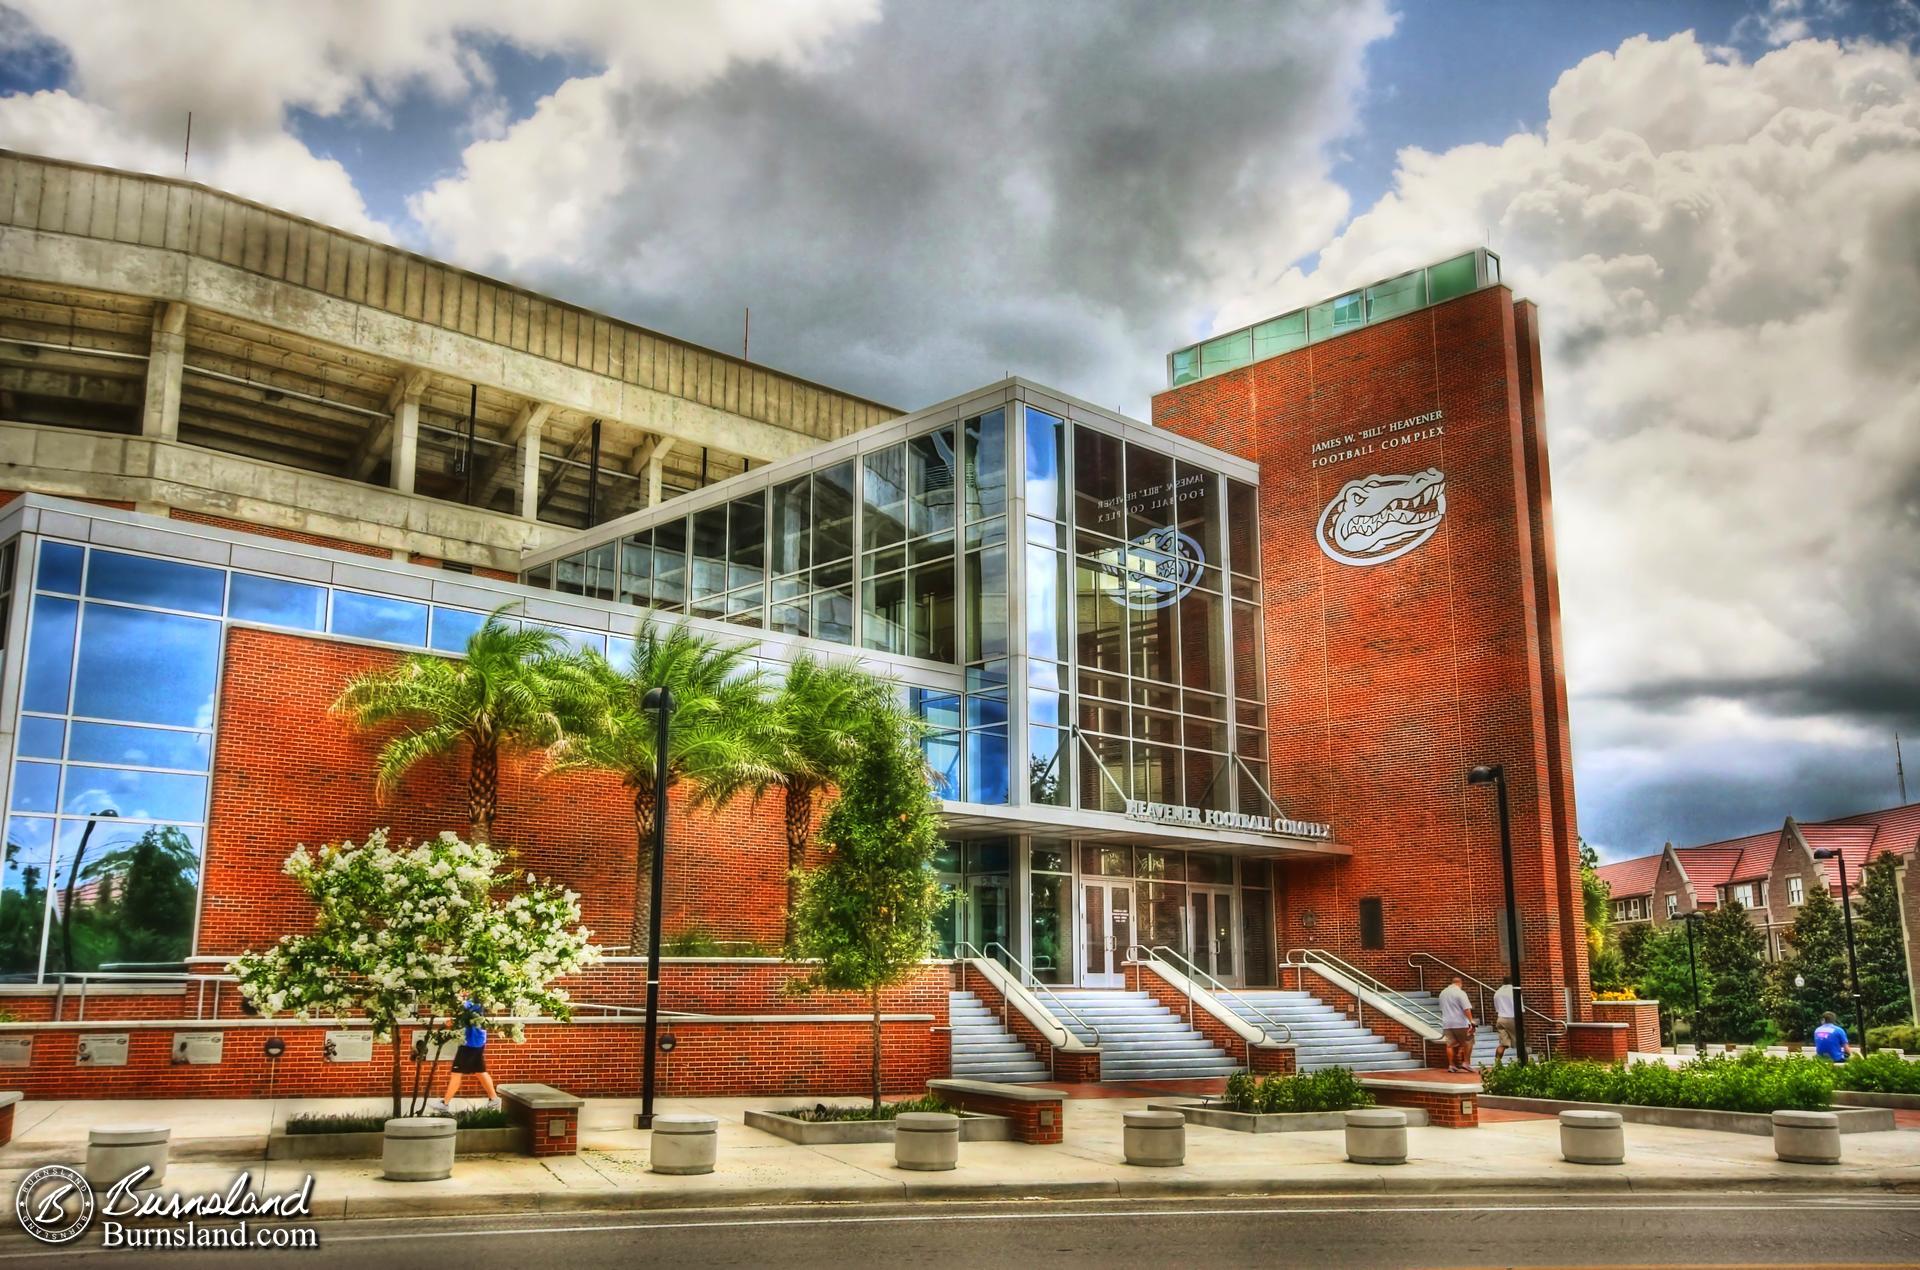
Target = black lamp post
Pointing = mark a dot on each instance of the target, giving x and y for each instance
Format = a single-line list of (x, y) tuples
[(1496, 775), (73, 875), (1687, 919), (660, 701), (1853, 966)]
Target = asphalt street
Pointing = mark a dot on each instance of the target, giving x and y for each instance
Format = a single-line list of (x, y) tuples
[(1322, 1231)]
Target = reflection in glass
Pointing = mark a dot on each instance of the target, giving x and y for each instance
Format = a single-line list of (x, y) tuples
[(943, 759), (158, 668), (277, 602), (709, 552), (602, 569), (1104, 784), (135, 795), (452, 628), (36, 787), (987, 765), (986, 465), (1153, 635), (124, 897), (1150, 494), (930, 613), (1049, 775), (50, 653), (1208, 782), (636, 569), (884, 614), (1097, 491), (1046, 603), (42, 738), (1198, 510), (930, 482), (1156, 773), (670, 564), (140, 747), (1100, 621), (1243, 528), (791, 526), (1051, 917), (885, 492), (833, 616), (833, 513), (986, 603), (1046, 465), (23, 895), (1203, 661), (1249, 676), (165, 584), (367, 617), (60, 567), (746, 541)]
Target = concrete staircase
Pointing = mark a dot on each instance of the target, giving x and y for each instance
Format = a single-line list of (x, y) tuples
[(1140, 1039), (983, 1049), (1485, 1039), (1324, 1036)]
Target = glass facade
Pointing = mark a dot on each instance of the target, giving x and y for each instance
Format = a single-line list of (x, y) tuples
[(1412, 290)]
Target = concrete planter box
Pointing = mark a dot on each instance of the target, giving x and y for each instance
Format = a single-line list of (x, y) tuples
[(1757, 1123), (1272, 1122), (808, 1133), (368, 1146), (1863, 1098)]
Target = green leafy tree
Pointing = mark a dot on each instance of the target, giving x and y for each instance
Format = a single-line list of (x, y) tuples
[(501, 693), (1812, 977), (1882, 955), (1658, 970), (865, 916), (1730, 948), (1595, 896), (410, 933), (720, 738), (819, 716)]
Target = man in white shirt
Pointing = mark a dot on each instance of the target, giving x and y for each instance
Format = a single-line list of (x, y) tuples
[(1456, 1024), (1502, 1021)]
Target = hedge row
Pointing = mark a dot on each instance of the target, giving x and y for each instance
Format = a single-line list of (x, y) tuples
[(1749, 1082), (1329, 1089)]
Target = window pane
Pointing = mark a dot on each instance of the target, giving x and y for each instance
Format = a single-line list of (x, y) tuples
[(833, 616), (986, 604), (670, 564), (1335, 316), (885, 508), (1199, 511), (1156, 773), (1282, 335), (790, 619), (884, 614), (376, 617), (986, 468), (636, 569), (792, 520), (601, 569), (943, 757), (1149, 490), (833, 513), (987, 766), (1049, 778), (1451, 278), (1203, 641), (1046, 603), (930, 612), (50, 654), (930, 483), (162, 583), (277, 602), (570, 574), (709, 552), (452, 628), (1104, 785), (1243, 528), (1186, 366), (747, 541), (1100, 620), (1397, 295), (42, 738), (1226, 353), (36, 787), (1046, 465), (1052, 918), (937, 709), (152, 667), (1153, 639), (540, 577), (1097, 492), (134, 889), (135, 795), (1249, 672), (23, 895), (60, 567), (140, 747)]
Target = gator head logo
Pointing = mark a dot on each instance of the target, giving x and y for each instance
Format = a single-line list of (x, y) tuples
[(1156, 569), (1381, 517)]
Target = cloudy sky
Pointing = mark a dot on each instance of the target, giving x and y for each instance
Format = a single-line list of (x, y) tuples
[(1717, 205)]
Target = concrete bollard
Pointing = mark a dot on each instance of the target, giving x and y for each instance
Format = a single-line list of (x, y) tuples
[(418, 1149), (684, 1145), (113, 1151), (1806, 1137), (1155, 1139), (926, 1141), (1592, 1137), (1377, 1135)]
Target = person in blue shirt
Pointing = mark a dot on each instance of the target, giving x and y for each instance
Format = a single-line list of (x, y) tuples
[(1830, 1039), (471, 1058)]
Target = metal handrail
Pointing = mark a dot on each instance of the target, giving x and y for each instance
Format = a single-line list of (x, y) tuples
[(86, 977), (1026, 980), (1555, 1027), (1215, 988), (1298, 957)]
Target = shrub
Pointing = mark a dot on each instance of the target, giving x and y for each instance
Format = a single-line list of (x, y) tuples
[(823, 1114), (1750, 1082), (1329, 1089), (1878, 1074), (698, 941), (348, 1122), (1623, 994), (1895, 1036)]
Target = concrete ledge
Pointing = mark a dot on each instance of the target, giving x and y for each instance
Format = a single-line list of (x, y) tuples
[(1862, 1098), (367, 1146), (1756, 1123), (1460, 1089), (810, 1133), (993, 1089), (1270, 1122)]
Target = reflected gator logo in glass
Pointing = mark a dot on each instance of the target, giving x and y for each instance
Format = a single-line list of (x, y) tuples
[(1156, 569), (1380, 517)]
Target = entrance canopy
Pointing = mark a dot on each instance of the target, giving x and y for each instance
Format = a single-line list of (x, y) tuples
[(975, 820)]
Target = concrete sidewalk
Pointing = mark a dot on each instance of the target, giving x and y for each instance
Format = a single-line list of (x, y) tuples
[(214, 1140)]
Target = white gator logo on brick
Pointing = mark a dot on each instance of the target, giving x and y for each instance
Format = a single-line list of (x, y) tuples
[(1378, 518)]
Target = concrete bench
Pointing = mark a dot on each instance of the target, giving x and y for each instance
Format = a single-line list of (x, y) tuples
[(1038, 1115), (551, 1117), (1449, 1104), (8, 1100)]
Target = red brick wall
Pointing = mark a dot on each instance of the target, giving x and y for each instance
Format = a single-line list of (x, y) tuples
[(274, 531), (1444, 1106), (1386, 683), (287, 773), (1602, 1042), (1641, 1017)]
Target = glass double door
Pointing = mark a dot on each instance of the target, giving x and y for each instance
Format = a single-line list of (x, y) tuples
[(1109, 934), (1106, 935), (1210, 932)]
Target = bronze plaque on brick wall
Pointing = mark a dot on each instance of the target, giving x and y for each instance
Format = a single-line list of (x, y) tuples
[(107, 1049), (349, 1047), (16, 1051), (199, 1048)]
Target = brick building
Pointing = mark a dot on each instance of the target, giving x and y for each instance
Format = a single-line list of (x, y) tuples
[(1202, 693)]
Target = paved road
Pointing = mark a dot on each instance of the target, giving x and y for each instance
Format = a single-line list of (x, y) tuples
[(1325, 1231)]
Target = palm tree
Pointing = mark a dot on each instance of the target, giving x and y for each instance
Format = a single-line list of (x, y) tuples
[(819, 716), (720, 734), (501, 693)]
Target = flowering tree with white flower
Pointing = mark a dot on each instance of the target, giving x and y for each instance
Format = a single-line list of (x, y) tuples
[(408, 933)]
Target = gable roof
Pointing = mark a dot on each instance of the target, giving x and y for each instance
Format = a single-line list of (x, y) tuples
[(1861, 838), (1630, 877)]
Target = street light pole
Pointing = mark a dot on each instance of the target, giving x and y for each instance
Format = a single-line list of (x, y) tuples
[(1693, 976), (1853, 965), (1496, 774), (660, 701)]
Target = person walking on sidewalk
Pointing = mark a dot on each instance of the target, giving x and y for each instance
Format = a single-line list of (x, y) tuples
[(1502, 1021), (471, 1058), (1456, 1025)]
